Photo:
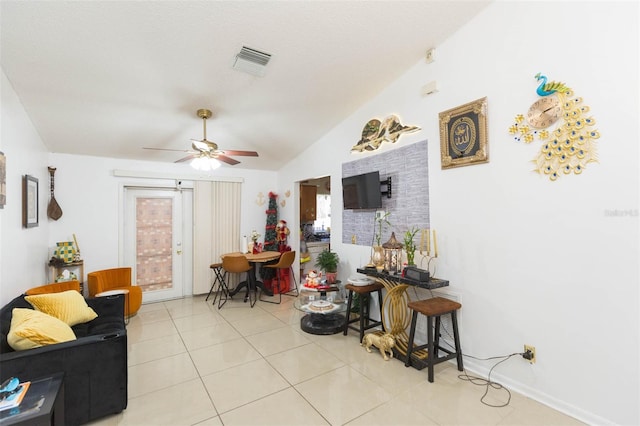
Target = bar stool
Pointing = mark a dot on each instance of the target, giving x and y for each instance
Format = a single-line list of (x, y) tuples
[(218, 278), (364, 319), (434, 307)]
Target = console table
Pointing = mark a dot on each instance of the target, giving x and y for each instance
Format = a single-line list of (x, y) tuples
[(396, 315)]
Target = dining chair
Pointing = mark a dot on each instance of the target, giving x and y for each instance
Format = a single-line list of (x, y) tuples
[(238, 264), (284, 263)]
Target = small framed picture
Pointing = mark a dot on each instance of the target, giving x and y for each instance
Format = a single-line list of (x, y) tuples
[(463, 135), (30, 209)]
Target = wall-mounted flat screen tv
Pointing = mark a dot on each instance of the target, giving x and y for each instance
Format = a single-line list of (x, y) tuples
[(362, 192)]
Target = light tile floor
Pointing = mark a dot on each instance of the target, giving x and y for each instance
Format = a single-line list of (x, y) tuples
[(192, 364)]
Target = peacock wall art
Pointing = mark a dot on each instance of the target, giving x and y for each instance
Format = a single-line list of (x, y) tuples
[(566, 148)]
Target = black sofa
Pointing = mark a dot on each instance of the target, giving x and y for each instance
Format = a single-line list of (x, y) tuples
[(94, 365)]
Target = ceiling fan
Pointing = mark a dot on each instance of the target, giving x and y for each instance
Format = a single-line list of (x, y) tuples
[(205, 149)]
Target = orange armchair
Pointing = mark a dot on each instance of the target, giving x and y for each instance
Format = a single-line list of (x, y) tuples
[(58, 287), (116, 279)]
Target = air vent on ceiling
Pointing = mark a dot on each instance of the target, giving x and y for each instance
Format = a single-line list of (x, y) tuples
[(251, 61)]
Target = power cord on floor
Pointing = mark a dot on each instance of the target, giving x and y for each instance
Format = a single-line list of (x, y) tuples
[(479, 381)]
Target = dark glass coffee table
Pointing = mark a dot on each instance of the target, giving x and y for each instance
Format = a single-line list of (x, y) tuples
[(326, 312), (42, 404)]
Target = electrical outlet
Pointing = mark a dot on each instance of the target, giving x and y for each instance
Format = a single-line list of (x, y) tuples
[(380, 214), (532, 350)]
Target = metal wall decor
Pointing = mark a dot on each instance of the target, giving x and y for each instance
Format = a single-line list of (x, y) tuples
[(570, 145), (30, 209), (375, 132), (463, 135)]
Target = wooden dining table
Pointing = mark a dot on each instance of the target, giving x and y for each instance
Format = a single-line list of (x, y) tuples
[(252, 282)]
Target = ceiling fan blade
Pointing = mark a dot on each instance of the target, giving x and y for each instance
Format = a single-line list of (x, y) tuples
[(167, 149), (241, 153), (225, 159), (187, 158)]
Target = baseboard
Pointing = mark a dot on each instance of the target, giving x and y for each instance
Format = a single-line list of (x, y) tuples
[(570, 410)]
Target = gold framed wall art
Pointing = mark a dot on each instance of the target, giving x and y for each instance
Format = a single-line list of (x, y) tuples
[(463, 135)]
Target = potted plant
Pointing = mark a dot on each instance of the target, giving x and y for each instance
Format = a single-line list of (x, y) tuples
[(328, 261), (409, 245), (377, 257)]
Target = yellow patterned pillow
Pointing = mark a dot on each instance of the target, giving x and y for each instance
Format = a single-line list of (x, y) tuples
[(32, 329), (68, 306)]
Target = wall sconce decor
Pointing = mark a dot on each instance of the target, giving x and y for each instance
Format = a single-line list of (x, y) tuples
[(375, 132)]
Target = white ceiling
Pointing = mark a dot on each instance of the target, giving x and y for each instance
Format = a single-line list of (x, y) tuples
[(105, 78)]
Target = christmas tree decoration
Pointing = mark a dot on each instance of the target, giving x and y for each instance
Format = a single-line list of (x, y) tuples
[(270, 242)]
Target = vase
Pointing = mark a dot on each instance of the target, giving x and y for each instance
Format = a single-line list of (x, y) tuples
[(378, 258), (410, 257), (331, 277)]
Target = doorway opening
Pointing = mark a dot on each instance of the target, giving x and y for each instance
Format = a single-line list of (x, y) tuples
[(315, 221), (157, 240)]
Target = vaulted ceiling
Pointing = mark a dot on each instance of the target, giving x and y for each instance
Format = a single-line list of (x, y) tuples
[(108, 78)]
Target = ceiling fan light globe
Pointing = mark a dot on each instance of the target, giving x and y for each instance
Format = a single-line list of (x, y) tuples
[(199, 163), (205, 164), (213, 163)]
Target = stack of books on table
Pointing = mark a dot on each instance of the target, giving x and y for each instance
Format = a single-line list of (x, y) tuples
[(13, 398)]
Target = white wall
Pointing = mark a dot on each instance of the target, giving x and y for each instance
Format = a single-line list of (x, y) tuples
[(93, 206), (92, 209), (533, 261), (89, 195), (22, 252)]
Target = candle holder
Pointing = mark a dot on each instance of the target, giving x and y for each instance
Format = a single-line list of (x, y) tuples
[(431, 263), (425, 250), (393, 255)]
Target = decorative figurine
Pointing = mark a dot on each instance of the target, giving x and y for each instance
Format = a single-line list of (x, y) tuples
[(313, 279), (384, 342), (282, 231)]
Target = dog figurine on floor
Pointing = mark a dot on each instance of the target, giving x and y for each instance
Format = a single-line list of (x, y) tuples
[(384, 342)]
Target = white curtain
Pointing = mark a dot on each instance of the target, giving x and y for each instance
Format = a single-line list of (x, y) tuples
[(216, 228)]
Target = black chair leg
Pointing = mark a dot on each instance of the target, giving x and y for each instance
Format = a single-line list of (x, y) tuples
[(412, 334), (348, 314), (216, 275), (224, 289), (364, 314), (456, 338), (431, 355), (274, 291), (295, 283)]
